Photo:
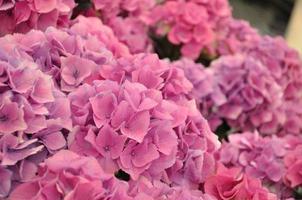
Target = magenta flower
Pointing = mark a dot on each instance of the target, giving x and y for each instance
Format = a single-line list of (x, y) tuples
[(260, 157), (22, 16), (75, 70), (129, 21), (136, 158), (109, 142), (65, 175), (240, 90), (293, 163), (145, 114), (194, 25), (231, 184)]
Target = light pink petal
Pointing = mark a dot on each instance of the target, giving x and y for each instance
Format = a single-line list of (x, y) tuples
[(42, 90), (144, 154), (121, 114), (137, 126), (11, 158), (44, 6), (76, 69), (22, 80), (25, 191), (11, 118), (103, 105), (54, 141), (165, 140), (27, 170)]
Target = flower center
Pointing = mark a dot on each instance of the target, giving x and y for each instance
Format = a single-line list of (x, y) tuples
[(106, 148), (76, 74)]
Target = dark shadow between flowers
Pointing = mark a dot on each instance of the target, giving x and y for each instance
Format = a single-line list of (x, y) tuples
[(222, 131), (164, 49), (121, 175)]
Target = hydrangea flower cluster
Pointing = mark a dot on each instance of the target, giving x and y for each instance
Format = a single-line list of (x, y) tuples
[(238, 89), (192, 24), (87, 112), (285, 65), (34, 114), (78, 177), (237, 36), (134, 125), (232, 184), (22, 16), (263, 157), (293, 162), (130, 20)]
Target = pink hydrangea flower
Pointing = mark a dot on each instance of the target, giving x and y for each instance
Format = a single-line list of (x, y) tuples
[(260, 157), (128, 19), (238, 89), (34, 113), (231, 184), (22, 16), (293, 163), (145, 110), (70, 176), (236, 37), (191, 24)]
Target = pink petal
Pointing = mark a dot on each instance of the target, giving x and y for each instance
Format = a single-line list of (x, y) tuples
[(45, 6), (54, 141), (42, 90), (144, 154), (103, 105), (137, 126)]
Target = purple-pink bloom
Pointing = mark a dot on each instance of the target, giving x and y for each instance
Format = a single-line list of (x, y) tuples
[(240, 90), (22, 16), (260, 157), (194, 25)]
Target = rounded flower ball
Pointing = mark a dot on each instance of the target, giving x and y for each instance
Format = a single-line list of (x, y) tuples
[(193, 25), (141, 127), (238, 90), (285, 65), (34, 114), (37, 70)]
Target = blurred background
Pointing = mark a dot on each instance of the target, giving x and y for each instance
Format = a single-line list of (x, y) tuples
[(273, 17)]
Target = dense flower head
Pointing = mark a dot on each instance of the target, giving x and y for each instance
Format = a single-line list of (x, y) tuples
[(192, 24), (87, 112), (130, 127), (34, 114), (293, 165), (143, 112), (71, 56), (128, 19), (230, 183), (236, 37), (37, 69), (74, 177), (22, 16), (240, 90), (261, 157), (285, 65)]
